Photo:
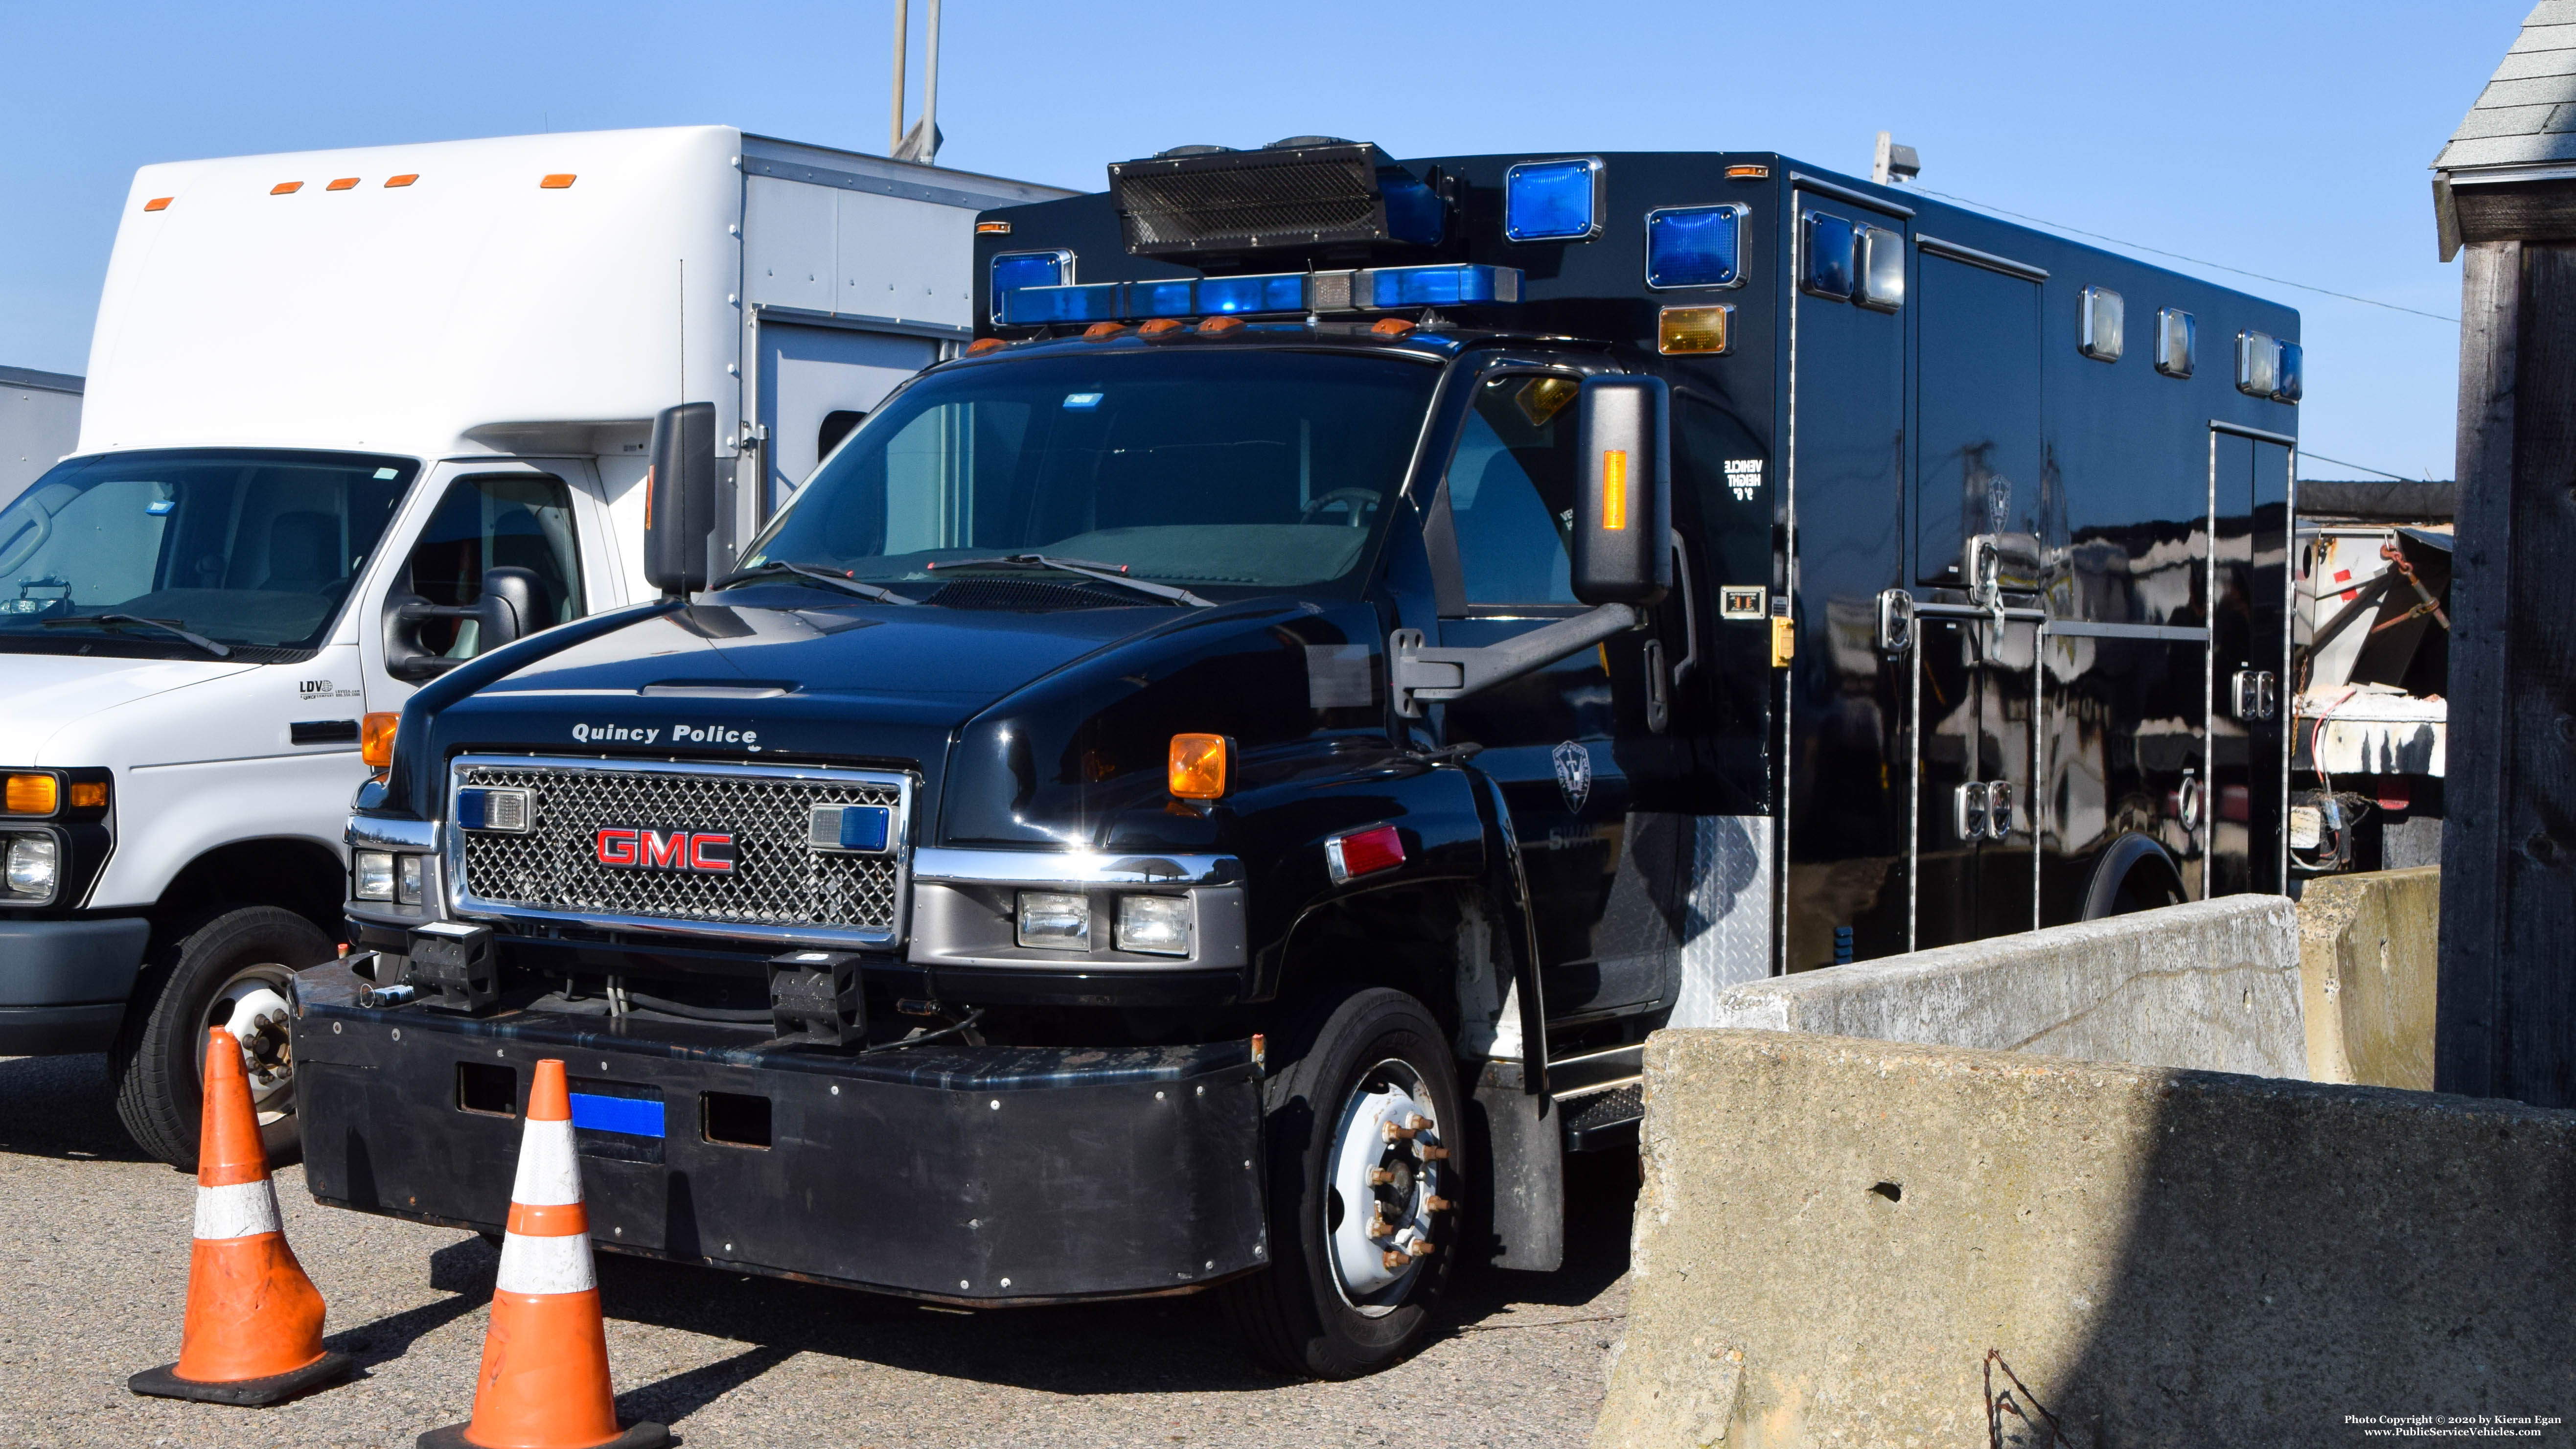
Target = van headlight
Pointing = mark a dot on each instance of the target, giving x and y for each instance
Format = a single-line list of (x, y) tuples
[(34, 865)]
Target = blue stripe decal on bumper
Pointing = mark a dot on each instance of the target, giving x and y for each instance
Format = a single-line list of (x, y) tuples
[(635, 1116)]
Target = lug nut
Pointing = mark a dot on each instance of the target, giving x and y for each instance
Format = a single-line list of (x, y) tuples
[(1398, 1134), (1379, 1227), (1434, 1154), (1435, 1203), (1422, 1247), (1416, 1121), (1380, 1177), (1392, 1260)]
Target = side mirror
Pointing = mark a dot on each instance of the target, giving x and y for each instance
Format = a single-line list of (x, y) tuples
[(680, 499), (511, 607), (1623, 492), (508, 608)]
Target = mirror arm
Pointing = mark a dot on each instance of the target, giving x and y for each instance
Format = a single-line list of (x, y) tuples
[(1423, 675)]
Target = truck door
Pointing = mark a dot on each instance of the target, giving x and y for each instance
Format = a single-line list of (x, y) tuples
[(1984, 500), (816, 384), (1580, 749), (2249, 638), (543, 518), (1846, 883)]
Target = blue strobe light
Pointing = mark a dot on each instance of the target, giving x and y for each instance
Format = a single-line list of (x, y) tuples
[(1553, 200), (1013, 271), (1695, 246), (1826, 243)]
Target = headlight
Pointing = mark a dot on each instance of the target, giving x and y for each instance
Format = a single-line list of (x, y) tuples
[(1156, 924), (34, 865), (1055, 922), (407, 890), (374, 872)]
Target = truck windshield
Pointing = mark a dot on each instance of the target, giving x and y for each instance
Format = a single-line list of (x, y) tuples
[(253, 549), (1246, 470)]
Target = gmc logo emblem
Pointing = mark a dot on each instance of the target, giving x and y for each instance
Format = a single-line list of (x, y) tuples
[(709, 851)]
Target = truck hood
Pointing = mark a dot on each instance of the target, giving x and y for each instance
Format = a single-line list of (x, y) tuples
[(47, 696)]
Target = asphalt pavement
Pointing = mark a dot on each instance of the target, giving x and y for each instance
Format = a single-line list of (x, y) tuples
[(94, 1249)]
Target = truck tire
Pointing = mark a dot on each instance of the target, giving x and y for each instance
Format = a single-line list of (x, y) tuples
[(209, 976), (1336, 1301)]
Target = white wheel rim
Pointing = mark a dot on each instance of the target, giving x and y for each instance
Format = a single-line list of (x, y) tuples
[(253, 1007), (1389, 1094)]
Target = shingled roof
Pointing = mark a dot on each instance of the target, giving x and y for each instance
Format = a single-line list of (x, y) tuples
[(2527, 113)]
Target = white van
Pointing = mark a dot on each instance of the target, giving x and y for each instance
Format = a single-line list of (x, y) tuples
[(353, 417)]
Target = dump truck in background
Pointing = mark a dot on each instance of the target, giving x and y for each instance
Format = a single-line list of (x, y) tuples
[(353, 418)]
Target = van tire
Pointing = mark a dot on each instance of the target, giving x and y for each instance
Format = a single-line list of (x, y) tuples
[(159, 1052), (1294, 1315)]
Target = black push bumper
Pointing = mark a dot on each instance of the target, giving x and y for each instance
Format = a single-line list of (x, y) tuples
[(968, 1174)]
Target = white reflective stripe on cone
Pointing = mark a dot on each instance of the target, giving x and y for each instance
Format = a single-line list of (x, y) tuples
[(549, 1173), (546, 1265), (237, 1211)]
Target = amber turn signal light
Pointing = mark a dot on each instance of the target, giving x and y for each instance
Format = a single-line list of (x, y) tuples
[(42, 794), (1199, 766), (89, 795), (376, 740)]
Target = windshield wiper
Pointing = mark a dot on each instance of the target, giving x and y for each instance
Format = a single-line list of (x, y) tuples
[(137, 621), (849, 585), (1105, 573)]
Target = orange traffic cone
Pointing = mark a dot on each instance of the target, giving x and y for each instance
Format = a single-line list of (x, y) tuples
[(254, 1328), (544, 1383)]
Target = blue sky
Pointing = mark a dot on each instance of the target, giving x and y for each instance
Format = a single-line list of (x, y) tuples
[(2285, 138)]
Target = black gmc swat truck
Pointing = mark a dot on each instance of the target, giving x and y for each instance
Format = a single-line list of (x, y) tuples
[(1211, 787)]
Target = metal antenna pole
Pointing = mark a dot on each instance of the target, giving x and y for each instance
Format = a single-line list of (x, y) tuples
[(902, 62), (930, 95)]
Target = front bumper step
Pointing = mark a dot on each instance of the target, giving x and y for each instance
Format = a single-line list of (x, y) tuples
[(979, 1175)]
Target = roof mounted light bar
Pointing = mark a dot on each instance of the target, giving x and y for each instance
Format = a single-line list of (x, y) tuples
[(1366, 289)]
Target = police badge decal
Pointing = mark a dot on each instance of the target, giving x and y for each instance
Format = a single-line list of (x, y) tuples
[(1574, 775)]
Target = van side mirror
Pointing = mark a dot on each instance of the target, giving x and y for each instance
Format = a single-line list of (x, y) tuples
[(1623, 492), (680, 499), (511, 606)]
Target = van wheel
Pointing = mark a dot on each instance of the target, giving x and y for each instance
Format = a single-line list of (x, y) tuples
[(1367, 1145), (230, 971)]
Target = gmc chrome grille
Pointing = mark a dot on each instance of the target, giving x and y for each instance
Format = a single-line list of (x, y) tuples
[(779, 886)]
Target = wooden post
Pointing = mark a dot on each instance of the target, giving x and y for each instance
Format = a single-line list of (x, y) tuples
[(2506, 1015)]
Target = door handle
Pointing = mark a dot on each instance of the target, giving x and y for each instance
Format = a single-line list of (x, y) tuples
[(1983, 810)]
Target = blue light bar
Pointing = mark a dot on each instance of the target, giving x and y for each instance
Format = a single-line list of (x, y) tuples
[(1013, 271), (1444, 286), (1281, 292), (1159, 299), (1553, 200), (1694, 246), (1041, 306), (634, 1116)]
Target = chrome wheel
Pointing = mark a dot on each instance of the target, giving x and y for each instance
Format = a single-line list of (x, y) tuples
[(1383, 1187)]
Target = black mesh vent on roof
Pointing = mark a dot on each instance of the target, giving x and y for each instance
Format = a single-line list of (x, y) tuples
[(1031, 595), (1247, 199)]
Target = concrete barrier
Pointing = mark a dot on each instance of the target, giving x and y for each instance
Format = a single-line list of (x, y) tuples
[(2368, 953), (2212, 985), (1835, 1234)]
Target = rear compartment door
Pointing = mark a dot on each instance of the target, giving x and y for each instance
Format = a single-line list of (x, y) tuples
[(2247, 813)]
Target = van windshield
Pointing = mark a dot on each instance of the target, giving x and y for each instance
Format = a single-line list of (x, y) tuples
[(1236, 470), (253, 549)]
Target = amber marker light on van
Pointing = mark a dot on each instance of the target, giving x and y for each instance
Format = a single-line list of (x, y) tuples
[(376, 740), (1198, 770), (558, 181), (1614, 489), (405, 179), (286, 188), (36, 795), (89, 794), (1682, 330), (345, 183), (158, 203)]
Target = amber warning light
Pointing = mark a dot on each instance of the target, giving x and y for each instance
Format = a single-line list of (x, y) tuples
[(1198, 766), (376, 740), (1614, 489)]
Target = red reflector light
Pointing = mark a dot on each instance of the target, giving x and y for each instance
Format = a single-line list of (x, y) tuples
[(158, 203), (1363, 852), (286, 188), (405, 179), (343, 184)]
